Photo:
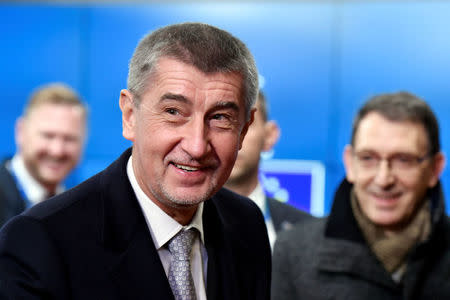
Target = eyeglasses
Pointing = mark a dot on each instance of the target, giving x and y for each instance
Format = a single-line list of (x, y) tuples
[(399, 162)]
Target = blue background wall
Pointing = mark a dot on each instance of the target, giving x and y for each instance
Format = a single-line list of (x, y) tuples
[(320, 61)]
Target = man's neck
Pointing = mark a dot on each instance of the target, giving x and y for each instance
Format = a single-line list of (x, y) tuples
[(243, 187)]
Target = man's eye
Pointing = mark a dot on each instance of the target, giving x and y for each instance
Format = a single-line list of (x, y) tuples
[(222, 120), (367, 158), (404, 158), (172, 111), (219, 117), (71, 139), (46, 135), (404, 161)]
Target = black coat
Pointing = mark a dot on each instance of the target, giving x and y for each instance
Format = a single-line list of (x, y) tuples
[(328, 258), (92, 242), (285, 216), (11, 200)]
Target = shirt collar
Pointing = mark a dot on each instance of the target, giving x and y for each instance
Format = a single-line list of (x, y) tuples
[(34, 191), (259, 197), (162, 226)]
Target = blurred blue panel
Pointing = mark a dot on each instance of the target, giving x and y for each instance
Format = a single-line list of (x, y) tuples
[(300, 183)]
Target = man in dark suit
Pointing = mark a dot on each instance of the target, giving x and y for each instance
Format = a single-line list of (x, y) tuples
[(50, 136), (244, 179), (119, 234), (387, 236)]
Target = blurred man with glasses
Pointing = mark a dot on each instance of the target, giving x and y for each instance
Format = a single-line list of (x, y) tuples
[(387, 236)]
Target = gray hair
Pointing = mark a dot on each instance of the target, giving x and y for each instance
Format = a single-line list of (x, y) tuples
[(402, 106), (203, 46)]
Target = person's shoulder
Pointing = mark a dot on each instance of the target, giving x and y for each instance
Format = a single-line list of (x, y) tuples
[(236, 210), (55, 219), (7, 181), (287, 209), (308, 231), (445, 228), (81, 197), (4, 161), (5, 175), (299, 247)]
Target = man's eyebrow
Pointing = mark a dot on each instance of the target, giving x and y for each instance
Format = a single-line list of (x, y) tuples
[(226, 105), (171, 96)]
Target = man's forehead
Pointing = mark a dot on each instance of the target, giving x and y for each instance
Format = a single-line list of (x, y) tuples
[(55, 114), (377, 132), (167, 63), (177, 77)]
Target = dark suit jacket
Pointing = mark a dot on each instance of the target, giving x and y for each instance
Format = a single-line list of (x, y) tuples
[(285, 216), (11, 201), (92, 242)]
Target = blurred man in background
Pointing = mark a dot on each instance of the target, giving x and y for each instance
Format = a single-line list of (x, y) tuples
[(50, 136), (387, 236), (261, 136)]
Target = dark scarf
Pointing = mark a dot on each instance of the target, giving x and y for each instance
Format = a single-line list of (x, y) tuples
[(392, 250)]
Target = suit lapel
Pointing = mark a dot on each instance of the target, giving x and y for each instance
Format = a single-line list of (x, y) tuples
[(12, 202), (138, 271), (221, 272), (132, 260)]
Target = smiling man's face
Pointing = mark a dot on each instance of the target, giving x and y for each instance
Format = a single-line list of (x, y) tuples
[(50, 140), (390, 192), (186, 133)]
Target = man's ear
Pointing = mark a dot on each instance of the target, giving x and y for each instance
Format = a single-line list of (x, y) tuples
[(272, 134), (129, 110), (438, 165), (347, 157), (246, 126)]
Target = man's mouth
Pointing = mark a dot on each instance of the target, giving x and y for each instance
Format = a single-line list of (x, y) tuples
[(186, 168), (387, 197), (54, 163)]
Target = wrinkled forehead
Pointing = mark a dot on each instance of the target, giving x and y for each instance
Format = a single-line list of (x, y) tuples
[(171, 68)]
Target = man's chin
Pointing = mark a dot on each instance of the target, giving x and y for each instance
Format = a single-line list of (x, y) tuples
[(187, 198), (52, 179), (386, 219), (183, 203)]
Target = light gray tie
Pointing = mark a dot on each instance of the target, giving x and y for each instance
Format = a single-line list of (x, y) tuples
[(180, 276)]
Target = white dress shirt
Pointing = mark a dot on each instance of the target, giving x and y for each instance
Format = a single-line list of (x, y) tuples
[(163, 228), (259, 197), (33, 190)]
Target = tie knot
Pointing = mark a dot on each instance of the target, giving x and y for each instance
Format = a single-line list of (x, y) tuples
[(181, 244)]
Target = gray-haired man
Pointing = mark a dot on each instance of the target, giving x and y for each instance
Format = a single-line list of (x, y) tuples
[(117, 236)]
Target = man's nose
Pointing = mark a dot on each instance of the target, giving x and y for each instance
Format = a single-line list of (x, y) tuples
[(57, 146), (384, 176), (196, 140)]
